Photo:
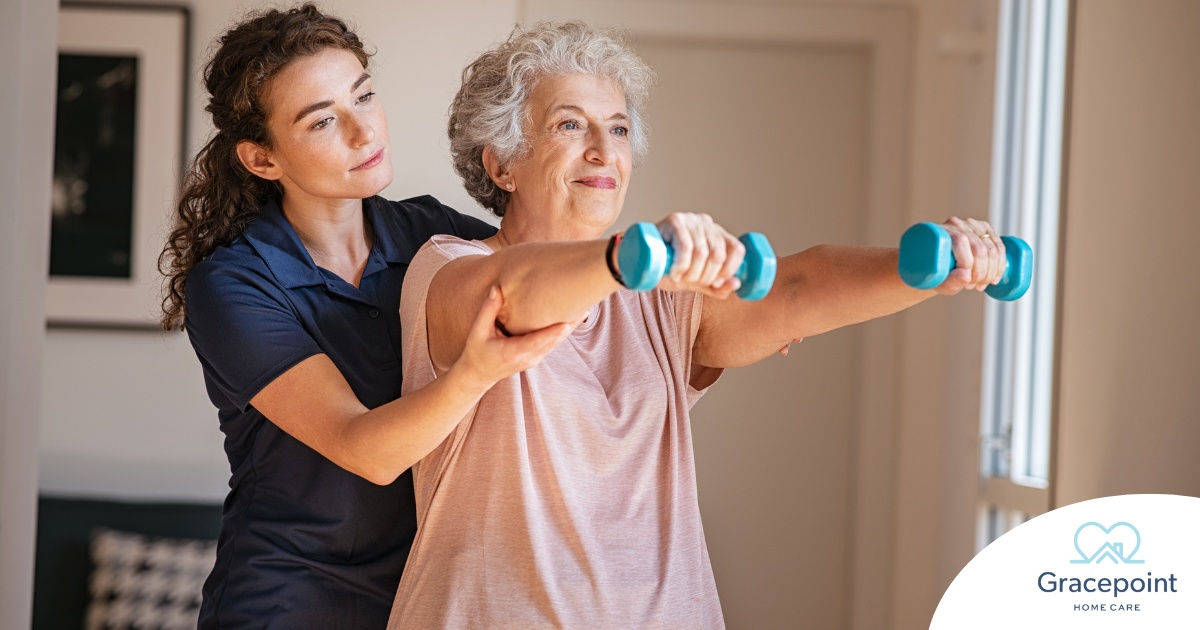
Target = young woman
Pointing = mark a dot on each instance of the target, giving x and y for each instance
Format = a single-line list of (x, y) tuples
[(285, 268)]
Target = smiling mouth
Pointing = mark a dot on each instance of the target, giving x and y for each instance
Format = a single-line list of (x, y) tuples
[(374, 160), (608, 183)]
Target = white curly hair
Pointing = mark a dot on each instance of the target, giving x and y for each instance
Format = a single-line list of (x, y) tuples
[(490, 108)]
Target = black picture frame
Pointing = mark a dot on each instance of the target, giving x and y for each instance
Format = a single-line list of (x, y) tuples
[(119, 155)]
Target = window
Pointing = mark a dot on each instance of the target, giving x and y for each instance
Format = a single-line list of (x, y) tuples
[(1015, 417)]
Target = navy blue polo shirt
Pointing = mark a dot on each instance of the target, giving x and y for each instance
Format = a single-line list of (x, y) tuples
[(304, 543)]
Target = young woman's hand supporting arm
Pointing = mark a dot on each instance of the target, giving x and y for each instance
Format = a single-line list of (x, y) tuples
[(313, 403)]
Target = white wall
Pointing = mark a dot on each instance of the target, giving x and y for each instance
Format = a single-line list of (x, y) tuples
[(125, 415), (1130, 359), (27, 46)]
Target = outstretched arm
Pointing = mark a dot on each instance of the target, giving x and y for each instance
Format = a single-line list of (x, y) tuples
[(830, 286), (545, 283)]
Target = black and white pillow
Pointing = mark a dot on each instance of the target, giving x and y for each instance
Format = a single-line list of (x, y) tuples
[(143, 583)]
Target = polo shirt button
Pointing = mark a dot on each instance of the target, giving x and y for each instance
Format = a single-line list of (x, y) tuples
[(373, 313)]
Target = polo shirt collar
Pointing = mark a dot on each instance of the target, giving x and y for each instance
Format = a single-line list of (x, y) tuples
[(280, 247), (285, 255), (388, 246)]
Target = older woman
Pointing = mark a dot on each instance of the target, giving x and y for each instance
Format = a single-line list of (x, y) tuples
[(567, 498)]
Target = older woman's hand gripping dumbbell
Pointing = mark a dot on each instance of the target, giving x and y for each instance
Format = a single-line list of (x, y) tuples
[(643, 258), (926, 259)]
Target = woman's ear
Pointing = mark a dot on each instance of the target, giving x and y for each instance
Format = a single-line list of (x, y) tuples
[(498, 173), (257, 160)]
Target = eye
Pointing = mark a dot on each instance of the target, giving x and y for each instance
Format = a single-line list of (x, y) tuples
[(323, 123), (569, 125), (366, 97), (621, 131)]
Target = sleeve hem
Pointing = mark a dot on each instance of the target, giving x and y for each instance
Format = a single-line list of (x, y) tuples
[(269, 376)]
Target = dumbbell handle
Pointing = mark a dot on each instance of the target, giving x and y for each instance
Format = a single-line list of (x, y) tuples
[(644, 258), (927, 258)]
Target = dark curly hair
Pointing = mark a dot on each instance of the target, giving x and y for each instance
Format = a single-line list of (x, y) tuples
[(219, 198)]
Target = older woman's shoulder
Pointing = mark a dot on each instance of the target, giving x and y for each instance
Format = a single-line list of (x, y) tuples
[(449, 247), (419, 218)]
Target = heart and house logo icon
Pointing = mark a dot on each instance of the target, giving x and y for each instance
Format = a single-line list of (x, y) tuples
[(1119, 543)]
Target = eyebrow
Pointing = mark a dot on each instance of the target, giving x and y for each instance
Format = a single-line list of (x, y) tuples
[(323, 104), (576, 109)]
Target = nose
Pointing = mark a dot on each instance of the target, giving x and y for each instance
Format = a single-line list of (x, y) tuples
[(361, 131), (601, 148)]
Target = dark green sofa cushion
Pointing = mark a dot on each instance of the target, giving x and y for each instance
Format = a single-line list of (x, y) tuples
[(63, 561)]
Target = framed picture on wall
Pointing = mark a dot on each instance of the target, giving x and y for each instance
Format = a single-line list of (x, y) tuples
[(118, 157)]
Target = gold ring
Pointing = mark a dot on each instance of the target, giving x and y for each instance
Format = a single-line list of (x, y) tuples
[(985, 235)]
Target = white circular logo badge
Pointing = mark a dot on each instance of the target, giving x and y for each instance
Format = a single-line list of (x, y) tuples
[(1128, 562)]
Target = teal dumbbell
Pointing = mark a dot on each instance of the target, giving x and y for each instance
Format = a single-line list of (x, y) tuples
[(644, 259), (926, 258)]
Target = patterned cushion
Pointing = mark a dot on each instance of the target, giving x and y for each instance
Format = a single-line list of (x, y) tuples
[(143, 583)]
